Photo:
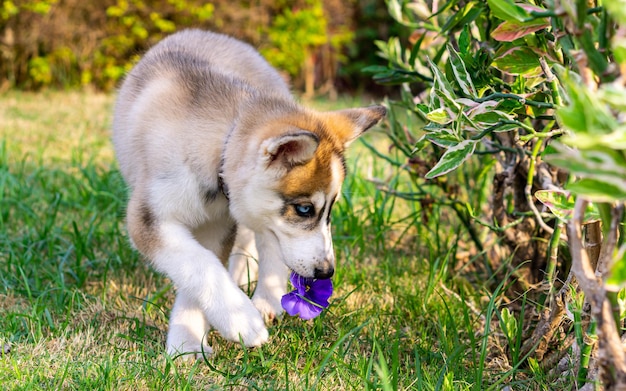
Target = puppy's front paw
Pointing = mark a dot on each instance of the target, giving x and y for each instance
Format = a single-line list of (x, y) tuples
[(269, 309), (255, 334), (247, 325)]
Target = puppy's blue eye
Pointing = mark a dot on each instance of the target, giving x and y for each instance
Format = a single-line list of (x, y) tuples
[(304, 210)]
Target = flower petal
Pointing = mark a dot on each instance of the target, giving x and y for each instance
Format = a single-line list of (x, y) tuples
[(294, 278), (308, 310), (299, 282), (294, 305), (309, 298), (291, 303), (320, 291)]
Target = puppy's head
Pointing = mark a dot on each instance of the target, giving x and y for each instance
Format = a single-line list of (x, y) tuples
[(288, 179)]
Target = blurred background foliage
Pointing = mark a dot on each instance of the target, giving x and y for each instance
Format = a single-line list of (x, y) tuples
[(77, 43)]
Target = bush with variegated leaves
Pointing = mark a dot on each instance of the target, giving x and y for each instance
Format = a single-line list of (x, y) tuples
[(513, 115)]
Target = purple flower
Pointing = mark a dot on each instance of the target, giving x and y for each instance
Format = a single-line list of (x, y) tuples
[(309, 298)]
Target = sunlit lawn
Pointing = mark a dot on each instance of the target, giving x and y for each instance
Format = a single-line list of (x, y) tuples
[(79, 309)]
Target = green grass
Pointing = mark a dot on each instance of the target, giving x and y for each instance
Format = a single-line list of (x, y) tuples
[(81, 310)]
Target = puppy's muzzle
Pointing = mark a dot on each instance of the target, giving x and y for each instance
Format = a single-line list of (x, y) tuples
[(324, 270)]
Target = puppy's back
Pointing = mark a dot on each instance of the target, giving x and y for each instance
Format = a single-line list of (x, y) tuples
[(190, 74), (188, 49)]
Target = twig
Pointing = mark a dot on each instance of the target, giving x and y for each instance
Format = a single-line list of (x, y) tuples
[(500, 95), (528, 187), (552, 81)]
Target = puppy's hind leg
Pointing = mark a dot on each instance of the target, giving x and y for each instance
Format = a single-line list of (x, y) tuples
[(187, 329)]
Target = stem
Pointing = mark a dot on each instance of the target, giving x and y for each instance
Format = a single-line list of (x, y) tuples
[(552, 82), (595, 10), (544, 14), (487, 131), (500, 95), (507, 122), (529, 185), (585, 354), (545, 135), (495, 228), (553, 251)]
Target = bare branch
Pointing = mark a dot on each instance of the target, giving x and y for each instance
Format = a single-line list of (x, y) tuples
[(611, 355), (581, 266)]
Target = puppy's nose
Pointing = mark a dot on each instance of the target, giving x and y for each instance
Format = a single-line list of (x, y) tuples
[(324, 271)]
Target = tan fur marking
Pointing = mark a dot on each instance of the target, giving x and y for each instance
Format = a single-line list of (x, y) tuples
[(316, 175), (142, 226), (306, 179), (227, 245), (340, 126)]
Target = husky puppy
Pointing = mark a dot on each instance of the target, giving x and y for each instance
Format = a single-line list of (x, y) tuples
[(211, 143)]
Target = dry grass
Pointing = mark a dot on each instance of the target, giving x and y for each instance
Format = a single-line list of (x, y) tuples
[(55, 127)]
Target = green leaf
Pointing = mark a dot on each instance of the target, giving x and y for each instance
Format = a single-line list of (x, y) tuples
[(597, 61), (395, 10), (617, 9), (599, 189), (439, 116), (486, 110), (509, 31), (509, 105), (613, 140), (448, 103), (374, 69), (462, 77), (617, 276), (592, 163), (614, 95), (443, 137), (466, 15), (508, 323), (561, 204), (602, 172), (492, 118), (420, 144), (452, 158), (465, 40), (440, 83), (422, 107), (507, 10), (518, 61), (585, 112)]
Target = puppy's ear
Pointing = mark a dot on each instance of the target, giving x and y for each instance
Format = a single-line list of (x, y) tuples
[(289, 150), (349, 124)]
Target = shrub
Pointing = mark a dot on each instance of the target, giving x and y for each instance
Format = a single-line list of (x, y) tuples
[(70, 43), (521, 112)]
